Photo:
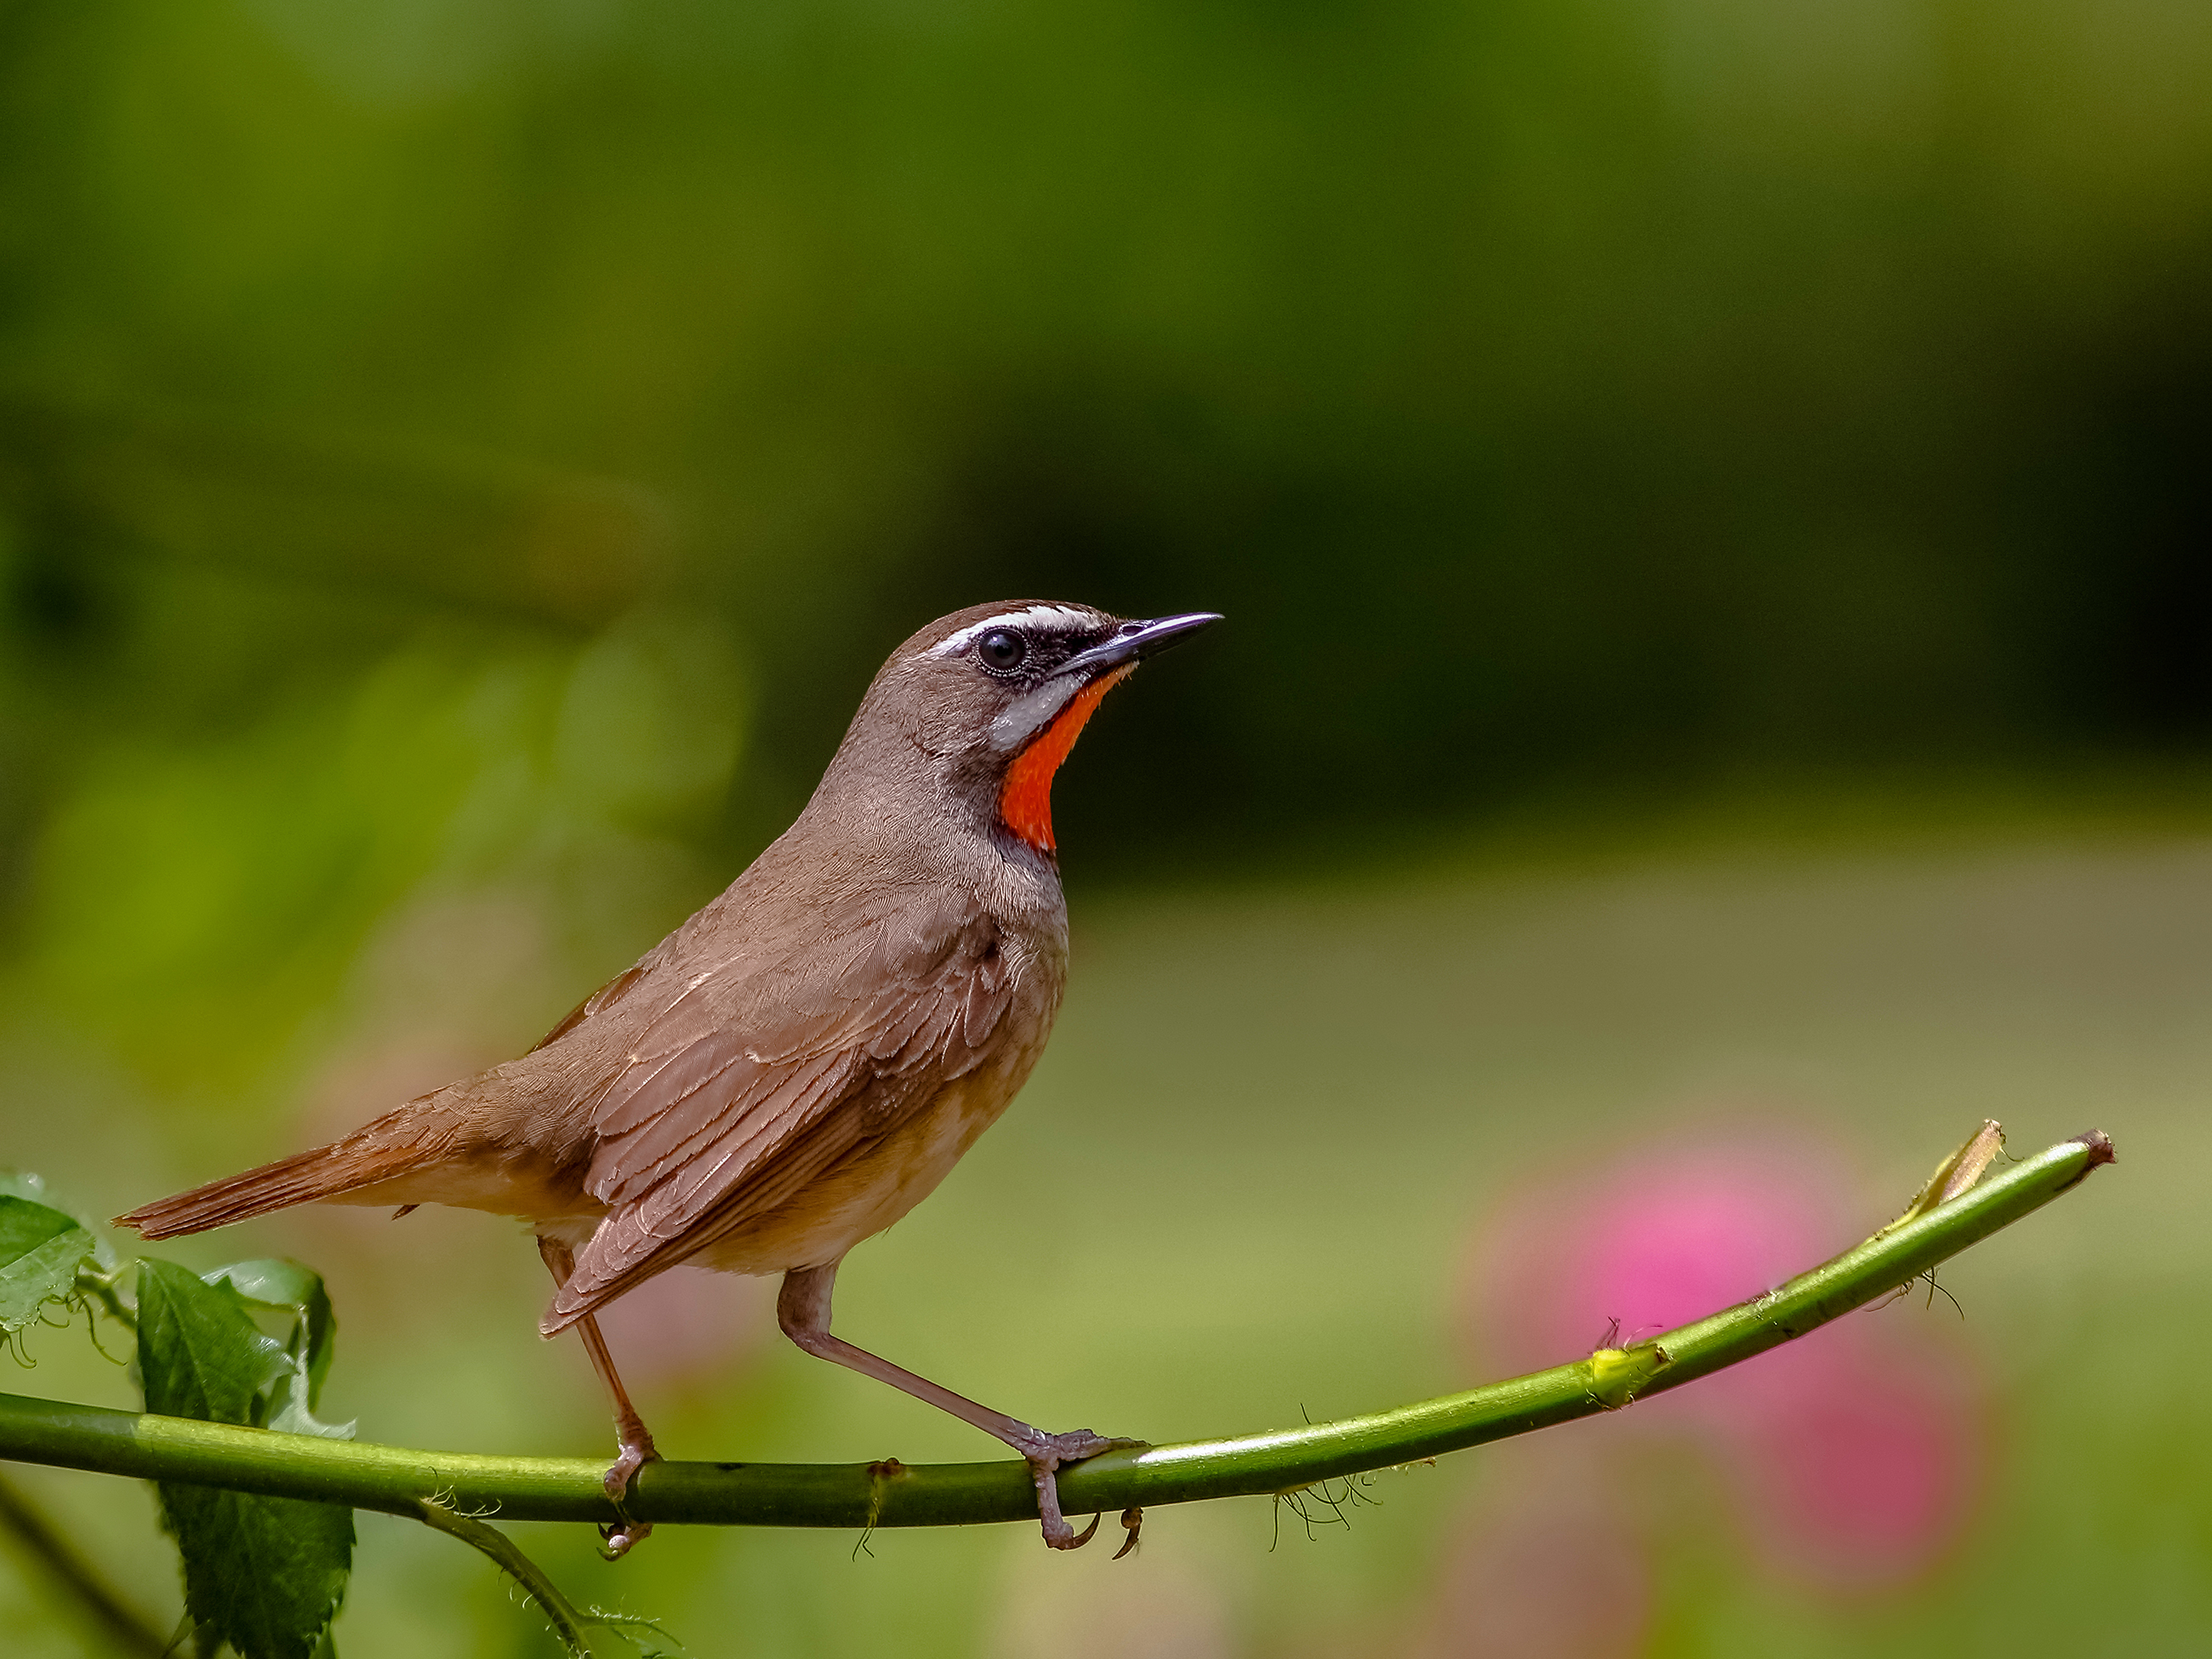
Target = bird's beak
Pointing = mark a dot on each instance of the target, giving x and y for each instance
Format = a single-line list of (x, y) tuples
[(1087, 673), (1135, 640)]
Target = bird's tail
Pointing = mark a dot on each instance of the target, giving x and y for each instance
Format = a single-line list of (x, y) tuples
[(361, 1160)]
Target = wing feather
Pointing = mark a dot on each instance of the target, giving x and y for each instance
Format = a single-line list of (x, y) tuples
[(729, 1103)]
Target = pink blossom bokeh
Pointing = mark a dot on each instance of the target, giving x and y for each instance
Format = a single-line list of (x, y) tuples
[(1846, 1462)]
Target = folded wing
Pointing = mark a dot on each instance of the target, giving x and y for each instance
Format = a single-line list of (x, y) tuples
[(731, 1099)]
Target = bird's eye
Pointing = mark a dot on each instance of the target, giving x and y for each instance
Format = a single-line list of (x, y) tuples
[(1001, 650)]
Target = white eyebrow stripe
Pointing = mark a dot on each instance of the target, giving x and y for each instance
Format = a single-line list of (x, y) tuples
[(1037, 616)]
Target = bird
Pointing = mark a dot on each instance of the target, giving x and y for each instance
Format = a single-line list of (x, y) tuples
[(801, 1062)]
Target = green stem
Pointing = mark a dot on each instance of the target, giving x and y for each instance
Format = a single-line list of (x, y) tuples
[(567, 1623), (105, 1288), (567, 1620), (399, 1480)]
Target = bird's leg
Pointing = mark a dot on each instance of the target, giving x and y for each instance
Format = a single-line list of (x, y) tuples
[(633, 1441), (802, 1308)]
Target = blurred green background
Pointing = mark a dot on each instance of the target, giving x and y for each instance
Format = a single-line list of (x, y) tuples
[(1711, 504)]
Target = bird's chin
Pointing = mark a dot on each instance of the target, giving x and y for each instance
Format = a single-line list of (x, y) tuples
[(1018, 723)]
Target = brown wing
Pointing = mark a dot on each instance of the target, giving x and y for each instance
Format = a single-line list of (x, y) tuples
[(605, 998), (729, 1102)]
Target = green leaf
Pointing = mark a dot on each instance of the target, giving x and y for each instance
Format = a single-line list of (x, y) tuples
[(297, 1288), (24, 1184), (40, 1250), (265, 1574)]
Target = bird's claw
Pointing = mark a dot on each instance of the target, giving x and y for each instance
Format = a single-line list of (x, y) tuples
[(1048, 1454), (619, 1538), (1133, 1522), (631, 1455), (1076, 1540)]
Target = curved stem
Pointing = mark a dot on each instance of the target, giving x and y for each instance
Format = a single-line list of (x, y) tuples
[(399, 1480), (567, 1623)]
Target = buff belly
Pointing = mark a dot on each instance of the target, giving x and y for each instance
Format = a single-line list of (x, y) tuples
[(865, 1193)]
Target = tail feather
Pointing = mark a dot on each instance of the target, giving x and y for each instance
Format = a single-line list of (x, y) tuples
[(325, 1172)]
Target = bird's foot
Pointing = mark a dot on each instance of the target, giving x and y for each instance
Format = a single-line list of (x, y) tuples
[(1048, 1454), (635, 1451)]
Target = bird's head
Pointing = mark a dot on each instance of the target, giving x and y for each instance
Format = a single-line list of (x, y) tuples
[(991, 699)]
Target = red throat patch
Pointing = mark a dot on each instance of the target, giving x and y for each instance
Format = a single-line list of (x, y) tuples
[(1025, 798)]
